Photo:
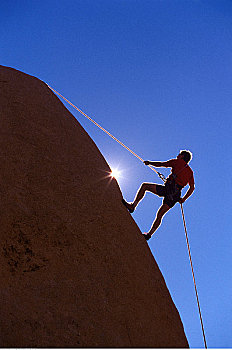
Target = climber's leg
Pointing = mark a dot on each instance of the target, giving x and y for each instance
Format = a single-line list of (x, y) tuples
[(139, 196), (159, 216)]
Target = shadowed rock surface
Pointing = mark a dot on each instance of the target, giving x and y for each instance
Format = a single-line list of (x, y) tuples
[(75, 270)]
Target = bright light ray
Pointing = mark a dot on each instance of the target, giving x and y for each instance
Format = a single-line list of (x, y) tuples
[(115, 173)]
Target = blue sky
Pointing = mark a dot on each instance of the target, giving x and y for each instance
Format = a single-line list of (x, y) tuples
[(158, 75)]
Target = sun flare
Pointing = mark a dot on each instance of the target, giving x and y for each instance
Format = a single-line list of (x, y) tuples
[(115, 173)]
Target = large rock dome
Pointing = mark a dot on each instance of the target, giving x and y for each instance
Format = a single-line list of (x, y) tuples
[(75, 270)]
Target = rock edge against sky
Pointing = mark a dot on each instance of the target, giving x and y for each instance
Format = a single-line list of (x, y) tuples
[(75, 269)]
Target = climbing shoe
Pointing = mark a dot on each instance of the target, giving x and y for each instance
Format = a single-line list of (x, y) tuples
[(147, 236), (128, 206)]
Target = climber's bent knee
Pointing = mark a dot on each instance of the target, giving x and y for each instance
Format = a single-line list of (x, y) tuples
[(149, 187)]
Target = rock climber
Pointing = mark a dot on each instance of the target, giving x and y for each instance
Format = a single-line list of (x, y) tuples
[(180, 176)]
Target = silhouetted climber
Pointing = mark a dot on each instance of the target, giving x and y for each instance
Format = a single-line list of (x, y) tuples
[(180, 176)]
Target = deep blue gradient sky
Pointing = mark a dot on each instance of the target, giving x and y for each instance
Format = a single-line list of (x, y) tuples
[(158, 75)]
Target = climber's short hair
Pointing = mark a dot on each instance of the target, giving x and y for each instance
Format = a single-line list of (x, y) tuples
[(187, 155)]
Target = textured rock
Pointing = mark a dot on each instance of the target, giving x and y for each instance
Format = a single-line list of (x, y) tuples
[(74, 268)]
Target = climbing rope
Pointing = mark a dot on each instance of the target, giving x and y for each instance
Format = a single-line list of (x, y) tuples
[(162, 177), (194, 281), (108, 133)]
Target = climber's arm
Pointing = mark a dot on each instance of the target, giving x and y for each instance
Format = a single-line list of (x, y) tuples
[(167, 164), (188, 193)]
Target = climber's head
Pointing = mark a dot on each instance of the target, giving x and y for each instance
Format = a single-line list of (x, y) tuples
[(185, 155)]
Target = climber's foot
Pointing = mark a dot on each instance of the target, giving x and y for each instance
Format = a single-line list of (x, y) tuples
[(147, 236), (129, 206)]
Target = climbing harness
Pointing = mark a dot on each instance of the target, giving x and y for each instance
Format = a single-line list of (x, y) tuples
[(173, 190), (163, 178)]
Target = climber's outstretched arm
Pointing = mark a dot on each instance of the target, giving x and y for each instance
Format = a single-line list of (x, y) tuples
[(158, 164)]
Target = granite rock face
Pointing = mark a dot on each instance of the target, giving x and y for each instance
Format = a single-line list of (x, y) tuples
[(75, 270)]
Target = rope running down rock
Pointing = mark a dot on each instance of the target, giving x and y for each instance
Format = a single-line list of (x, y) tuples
[(163, 179)]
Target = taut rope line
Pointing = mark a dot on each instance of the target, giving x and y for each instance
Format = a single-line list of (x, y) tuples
[(163, 179), (194, 281), (107, 132)]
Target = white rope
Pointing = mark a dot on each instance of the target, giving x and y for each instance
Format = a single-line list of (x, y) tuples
[(194, 281), (163, 179)]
